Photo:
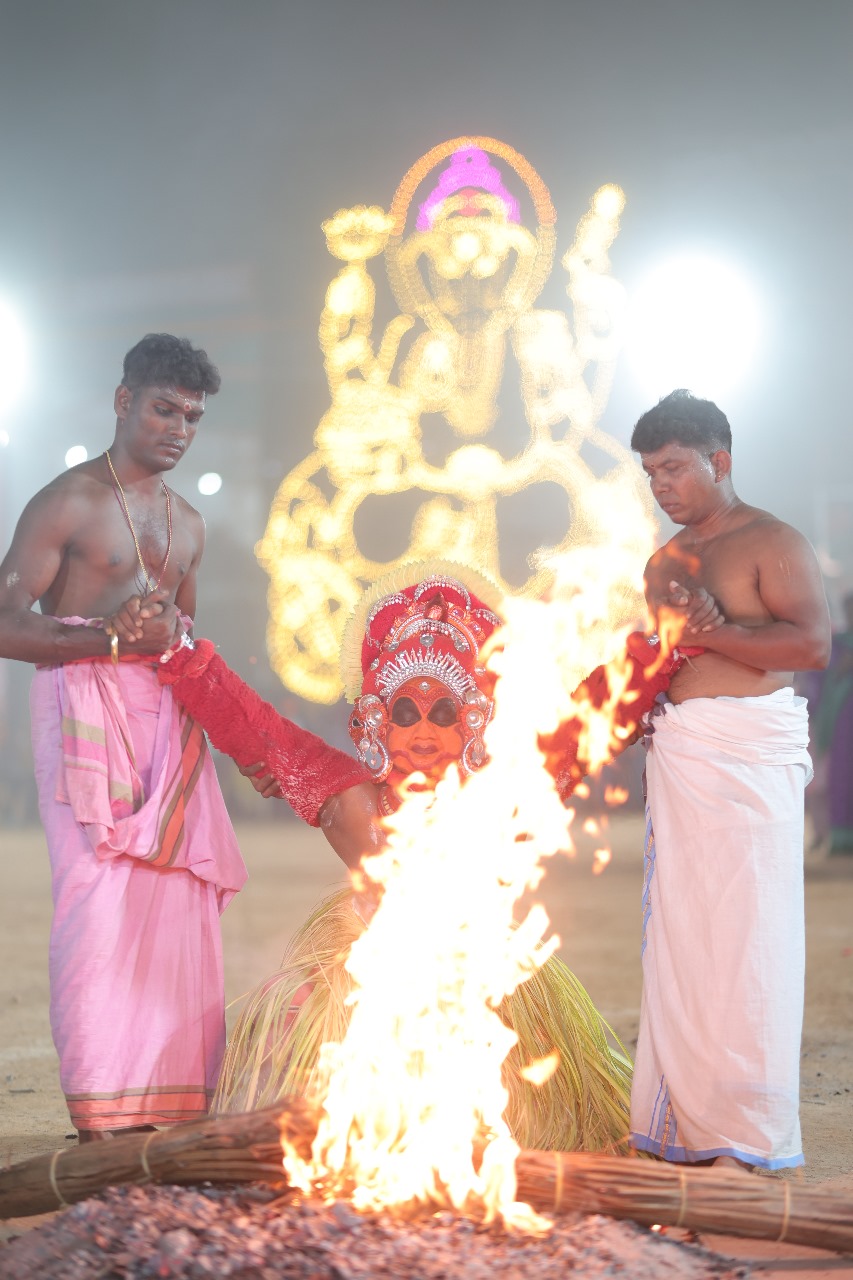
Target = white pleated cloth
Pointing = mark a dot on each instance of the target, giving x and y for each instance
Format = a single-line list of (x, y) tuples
[(718, 1055)]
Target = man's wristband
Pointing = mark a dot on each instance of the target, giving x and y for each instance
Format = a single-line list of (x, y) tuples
[(185, 642), (113, 635)]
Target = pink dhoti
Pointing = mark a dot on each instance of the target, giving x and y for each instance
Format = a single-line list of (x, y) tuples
[(144, 860)]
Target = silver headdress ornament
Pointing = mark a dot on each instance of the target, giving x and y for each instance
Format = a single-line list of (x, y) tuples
[(408, 666), (430, 625)]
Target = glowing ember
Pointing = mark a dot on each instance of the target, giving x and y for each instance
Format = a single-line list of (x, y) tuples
[(414, 1093), (541, 1070), (600, 859)]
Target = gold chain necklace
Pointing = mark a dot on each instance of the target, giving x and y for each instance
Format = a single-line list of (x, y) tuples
[(149, 584)]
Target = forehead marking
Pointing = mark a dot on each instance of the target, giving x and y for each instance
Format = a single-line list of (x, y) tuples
[(189, 404)]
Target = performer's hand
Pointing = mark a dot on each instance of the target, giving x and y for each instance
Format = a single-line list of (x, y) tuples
[(264, 783), (350, 823), (364, 904), (700, 610)]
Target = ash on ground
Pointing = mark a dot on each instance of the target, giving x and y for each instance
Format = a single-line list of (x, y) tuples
[(251, 1233)]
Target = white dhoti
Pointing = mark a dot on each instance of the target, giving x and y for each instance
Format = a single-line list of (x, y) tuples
[(718, 1055)]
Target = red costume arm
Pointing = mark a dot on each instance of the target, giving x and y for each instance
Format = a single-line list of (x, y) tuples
[(240, 723), (649, 676)]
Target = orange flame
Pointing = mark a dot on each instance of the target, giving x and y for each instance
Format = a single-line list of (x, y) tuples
[(416, 1085), (542, 1069)]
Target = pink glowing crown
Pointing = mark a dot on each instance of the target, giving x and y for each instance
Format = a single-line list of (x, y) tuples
[(470, 171)]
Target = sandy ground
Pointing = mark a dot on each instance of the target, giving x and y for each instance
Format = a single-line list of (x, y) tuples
[(596, 916)]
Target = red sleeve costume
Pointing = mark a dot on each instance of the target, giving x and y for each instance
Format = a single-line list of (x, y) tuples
[(240, 723), (650, 675)]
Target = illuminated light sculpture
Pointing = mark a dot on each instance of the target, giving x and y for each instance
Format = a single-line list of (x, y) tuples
[(465, 272)]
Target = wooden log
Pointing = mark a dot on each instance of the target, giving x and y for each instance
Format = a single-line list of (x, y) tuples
[(722, 1201), (229, 1148), (247, 1148)]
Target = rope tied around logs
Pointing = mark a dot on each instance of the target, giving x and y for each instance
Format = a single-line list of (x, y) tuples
[(558, 1181), (143, 1156), (786, 1216), (54, 1161), (682, 1210), (54, 1186), (247, 1147)]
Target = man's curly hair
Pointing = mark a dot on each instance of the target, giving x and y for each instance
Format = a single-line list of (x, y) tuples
[(161, 359), (682, 418)]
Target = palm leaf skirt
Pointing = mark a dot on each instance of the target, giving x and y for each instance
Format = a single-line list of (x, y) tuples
[(275, 1046)]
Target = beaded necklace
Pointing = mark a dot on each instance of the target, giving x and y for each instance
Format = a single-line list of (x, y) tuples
[(149, 585), (389, 802)]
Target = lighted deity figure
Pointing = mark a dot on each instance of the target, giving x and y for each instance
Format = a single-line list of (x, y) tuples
[(465, 272), (413, 666)]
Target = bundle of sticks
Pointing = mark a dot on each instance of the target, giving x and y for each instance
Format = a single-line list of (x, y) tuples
[(248, 1148)]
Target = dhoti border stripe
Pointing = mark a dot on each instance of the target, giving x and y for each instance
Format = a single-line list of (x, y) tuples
[(181, 787), (138, 1106)]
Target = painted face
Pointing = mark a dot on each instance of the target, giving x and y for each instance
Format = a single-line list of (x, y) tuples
[(159, 423), (683, 481), (424, 731)]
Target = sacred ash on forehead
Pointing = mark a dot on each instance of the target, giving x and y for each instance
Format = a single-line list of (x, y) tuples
[(190, 401)]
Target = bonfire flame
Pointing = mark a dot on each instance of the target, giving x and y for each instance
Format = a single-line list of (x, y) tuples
[(413, 1098)]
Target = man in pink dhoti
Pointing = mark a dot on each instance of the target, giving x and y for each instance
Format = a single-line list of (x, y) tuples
[(716, 1076), (142, 852)]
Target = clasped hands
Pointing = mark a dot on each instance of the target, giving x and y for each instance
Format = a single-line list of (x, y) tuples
[(148, 624), (697, 609)]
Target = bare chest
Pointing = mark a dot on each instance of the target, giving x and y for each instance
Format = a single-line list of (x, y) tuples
[(151, 526), (727, 568), (118, 552)]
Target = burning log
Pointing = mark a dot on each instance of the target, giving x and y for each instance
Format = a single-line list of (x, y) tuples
[(247, 1148), (720, 1201), (230, 1148)]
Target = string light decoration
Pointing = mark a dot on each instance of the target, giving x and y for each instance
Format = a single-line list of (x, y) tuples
[(465, 272)]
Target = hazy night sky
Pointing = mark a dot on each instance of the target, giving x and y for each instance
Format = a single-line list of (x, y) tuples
[(167, 165)]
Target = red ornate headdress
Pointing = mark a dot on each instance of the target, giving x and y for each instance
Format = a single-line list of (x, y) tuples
[(427, 621)]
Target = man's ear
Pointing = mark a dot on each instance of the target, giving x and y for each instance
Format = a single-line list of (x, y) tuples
[(721, 461), (122, 400)]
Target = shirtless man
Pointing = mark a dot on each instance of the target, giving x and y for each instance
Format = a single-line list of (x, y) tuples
[(142, 853), (717, 1069)]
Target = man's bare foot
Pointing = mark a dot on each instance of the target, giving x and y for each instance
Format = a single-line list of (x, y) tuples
[(103, 1135)]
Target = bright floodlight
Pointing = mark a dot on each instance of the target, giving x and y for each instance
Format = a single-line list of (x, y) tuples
[(209, 483), (13, 357), (77, 453), (694, 323)]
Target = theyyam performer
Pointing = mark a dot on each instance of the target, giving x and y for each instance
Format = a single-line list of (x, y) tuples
[(718, 1056), (422, 700)]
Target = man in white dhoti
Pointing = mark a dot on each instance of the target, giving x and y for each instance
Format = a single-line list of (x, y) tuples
[(717, 1066)]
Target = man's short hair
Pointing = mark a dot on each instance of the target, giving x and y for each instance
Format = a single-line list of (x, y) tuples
[(682, 418), (162, 360)]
